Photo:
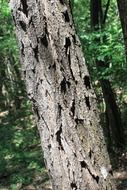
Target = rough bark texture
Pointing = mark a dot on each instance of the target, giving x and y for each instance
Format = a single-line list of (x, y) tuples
[(58, 85), (98, 19), (122, 7)]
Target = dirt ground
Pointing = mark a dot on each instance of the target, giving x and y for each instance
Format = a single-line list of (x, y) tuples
[(120, 173)]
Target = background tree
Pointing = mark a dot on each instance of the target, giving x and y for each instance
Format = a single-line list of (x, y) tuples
[(110, 46), (59, 87), (114, 123), (122, 7)]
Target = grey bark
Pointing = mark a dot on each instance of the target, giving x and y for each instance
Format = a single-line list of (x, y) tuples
[(58, 85)]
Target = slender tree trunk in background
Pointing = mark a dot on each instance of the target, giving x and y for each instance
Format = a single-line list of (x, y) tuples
[(18, 83), (115, 124), (58, 85), (2, 73), (122, 7)]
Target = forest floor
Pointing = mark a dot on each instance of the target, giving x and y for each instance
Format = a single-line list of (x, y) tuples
[(119, 163), (120, 171), (121, 179)]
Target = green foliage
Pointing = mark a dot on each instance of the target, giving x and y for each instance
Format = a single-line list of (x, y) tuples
[(7, 38), (109, 47), (112, 49), (19, 148)]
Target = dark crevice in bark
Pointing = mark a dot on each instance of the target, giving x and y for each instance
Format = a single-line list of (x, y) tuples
[(47, 79), (44, 122), (41, 81), (79, 66), (47, 93), (49, 146), (32, 99), (73, 107), (61, 69), (44, 41), (83, 164), (20, 9), (69, 60), (34, 71), (36, 53), (94, 162), (58, 138), (52, 163), (68, 164), (79, 121), (90, 153), (24, 74), (59, 110), (37, 86), (66, 16), (23, 25), (96, 178), (91, 123), (63, 85), (73, 186), (62, 2), (87, 102), (111, 171), (22, 48), (30, 21), (36, 112), (14, 19), (25, 7), (87, 82), (53, 66), (68, 84), (67, 44), (46, 28), (74, 38)]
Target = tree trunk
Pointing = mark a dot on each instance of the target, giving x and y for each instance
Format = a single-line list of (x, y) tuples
[(98, 19), (122, 7), (59, 87), (114, 119)]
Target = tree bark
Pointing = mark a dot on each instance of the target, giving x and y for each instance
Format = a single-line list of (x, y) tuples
[(122, 7), (59, 87), (98, 19)]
